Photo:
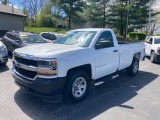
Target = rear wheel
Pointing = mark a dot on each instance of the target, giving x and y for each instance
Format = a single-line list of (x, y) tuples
[(134, 67), (77, 86), (152, 58)]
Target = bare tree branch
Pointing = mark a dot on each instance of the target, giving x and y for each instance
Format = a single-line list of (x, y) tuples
[(32, 7)]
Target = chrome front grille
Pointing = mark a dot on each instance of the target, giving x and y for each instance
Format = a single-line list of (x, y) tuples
[(25, 67), (25, 61)]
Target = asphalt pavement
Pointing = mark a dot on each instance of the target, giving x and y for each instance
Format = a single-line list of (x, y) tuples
[(125, 98)]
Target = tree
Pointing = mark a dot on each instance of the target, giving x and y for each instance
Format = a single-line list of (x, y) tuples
[(154, 18), (5, 2), (32, 7), (93, 15), (46, 18), (26, 21), (70, 8), (103, 4), (138, 11), (96, 12)]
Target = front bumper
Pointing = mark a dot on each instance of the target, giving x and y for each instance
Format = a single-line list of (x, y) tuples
[(41, 87)]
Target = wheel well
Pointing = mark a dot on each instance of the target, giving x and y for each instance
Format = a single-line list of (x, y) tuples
[(152, 51), (137, 56), (86, 68)]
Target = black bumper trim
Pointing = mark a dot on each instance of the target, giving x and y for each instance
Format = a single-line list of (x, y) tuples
[(41, 87)]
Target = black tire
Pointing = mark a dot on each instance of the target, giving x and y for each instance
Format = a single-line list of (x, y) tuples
[(152, 57), (71, 79), (133, 69), (3, 64)]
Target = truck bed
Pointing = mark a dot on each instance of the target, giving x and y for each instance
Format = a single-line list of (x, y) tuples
[(126, 42), (128, 50)]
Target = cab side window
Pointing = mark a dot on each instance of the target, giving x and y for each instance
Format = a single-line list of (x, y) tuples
[(105, 40)]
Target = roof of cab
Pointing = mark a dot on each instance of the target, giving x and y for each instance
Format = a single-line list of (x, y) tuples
[(91, 29)]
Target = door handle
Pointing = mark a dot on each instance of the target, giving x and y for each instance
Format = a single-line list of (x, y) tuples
[(115, 51)]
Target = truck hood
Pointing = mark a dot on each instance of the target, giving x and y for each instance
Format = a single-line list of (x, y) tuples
[(48, 50)]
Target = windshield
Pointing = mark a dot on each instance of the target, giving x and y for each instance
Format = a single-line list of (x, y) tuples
[(32, 38), (157, 41), (80, 38)]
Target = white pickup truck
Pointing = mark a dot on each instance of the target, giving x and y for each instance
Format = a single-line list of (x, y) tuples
[(152, 48), (65, 68)]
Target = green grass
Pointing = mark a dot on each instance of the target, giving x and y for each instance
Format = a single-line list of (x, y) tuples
[(38, 30)]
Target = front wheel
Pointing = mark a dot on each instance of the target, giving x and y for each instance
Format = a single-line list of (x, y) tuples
[(134, 67), (77, 86), (152, 58)]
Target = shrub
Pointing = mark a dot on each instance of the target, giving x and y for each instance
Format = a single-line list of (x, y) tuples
[(140, 36), (120, 38), (38, 30)]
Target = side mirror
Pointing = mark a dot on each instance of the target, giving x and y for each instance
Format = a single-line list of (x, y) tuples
[(103, 43)]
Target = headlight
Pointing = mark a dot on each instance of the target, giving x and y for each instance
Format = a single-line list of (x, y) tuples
[(47, 68)]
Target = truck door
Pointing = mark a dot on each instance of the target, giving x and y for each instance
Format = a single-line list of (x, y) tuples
[(148, 46), (106, 55)]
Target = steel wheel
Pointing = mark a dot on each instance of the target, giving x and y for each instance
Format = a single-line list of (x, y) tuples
[(152, 58), (132, 70), (136, 67), (79, 87)]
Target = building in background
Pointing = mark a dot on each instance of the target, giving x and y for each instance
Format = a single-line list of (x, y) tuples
[(11, 19)]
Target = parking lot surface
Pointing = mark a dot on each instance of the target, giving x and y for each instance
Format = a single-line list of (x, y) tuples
[(124, 98)]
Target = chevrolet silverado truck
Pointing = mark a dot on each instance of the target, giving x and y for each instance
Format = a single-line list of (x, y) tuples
[(66, 68), (152, 48)]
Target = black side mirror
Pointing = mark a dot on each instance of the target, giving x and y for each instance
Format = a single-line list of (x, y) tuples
[(149, 42), (103, 43)]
